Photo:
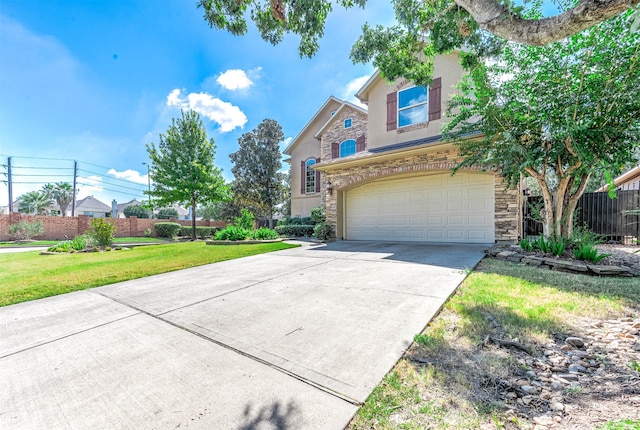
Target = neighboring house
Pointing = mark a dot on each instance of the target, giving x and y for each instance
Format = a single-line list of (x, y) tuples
[(385, 173), (626, 181), (92, 207)]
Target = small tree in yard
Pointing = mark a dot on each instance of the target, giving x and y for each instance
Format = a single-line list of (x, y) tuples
[(259, 185), (556, 113), (182, 167), (102, 232)]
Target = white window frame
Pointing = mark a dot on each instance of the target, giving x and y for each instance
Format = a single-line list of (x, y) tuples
[(399, 109)]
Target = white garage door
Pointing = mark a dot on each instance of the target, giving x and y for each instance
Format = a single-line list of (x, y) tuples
[(430, 208)]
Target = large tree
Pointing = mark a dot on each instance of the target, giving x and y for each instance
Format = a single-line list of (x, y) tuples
[(422, 29), (259, 184), (34, 203), (182, 166), (61, 193), (556, 113)]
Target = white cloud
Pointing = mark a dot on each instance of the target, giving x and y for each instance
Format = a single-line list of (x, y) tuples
[(234, 79), (130, 175), (352, 87), (226, 115), (87, 185)]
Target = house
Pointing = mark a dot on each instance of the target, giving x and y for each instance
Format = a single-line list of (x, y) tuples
[(92, 207), (385, 173), (627, 181)]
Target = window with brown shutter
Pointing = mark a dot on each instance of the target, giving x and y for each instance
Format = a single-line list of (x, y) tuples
[(392, 111), (360, 141), (435, 99)]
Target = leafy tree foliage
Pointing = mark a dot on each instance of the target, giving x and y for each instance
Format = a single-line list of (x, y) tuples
[(61, 193), (183, 169), (423, 29), (259, 184), (34, 203), (556, 113), (138, 211), (167, 213)]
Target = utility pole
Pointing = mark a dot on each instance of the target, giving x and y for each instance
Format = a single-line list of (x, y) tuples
[(10, 184), (75, 177), (149, 184)]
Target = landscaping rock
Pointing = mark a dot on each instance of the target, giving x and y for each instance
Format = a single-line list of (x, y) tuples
[(610, 270), (532, 261), (575, 341), (566, 265)]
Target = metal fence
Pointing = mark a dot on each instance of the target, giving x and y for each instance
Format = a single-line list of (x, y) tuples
[(601, 214)]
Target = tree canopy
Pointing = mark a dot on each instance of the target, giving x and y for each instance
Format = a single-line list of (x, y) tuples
[(556, 113), (138, 211), (61, 193), (182, 166), (34, 203), (259, 185), (423, 28)]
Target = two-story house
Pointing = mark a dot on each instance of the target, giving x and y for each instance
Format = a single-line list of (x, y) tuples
[(385, 173)]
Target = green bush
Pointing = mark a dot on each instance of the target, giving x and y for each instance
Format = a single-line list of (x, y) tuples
[(148, 233), (589, 253), (295, 221), (293, 230), (26, 230), (167, 229), (583, 236), (102, 232), (201, 231), (245, 220), (323, 231), (64, 246), (264, 233), (318, 215), (526, 245), (167, 213), (79, 242), (557, 246), (233, 232)]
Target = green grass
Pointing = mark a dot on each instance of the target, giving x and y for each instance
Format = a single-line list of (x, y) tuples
[(530, 303), (29, 275), (27, 244), (117, 240)]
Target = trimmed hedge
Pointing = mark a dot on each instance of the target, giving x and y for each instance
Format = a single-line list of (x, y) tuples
[(167, 229), (295, 230), (201, 231), (295, 221)]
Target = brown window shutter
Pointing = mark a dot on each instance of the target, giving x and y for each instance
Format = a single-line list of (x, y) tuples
[(392, 111), (303, 176), (335, 150), (360, 144), (435, 99), (317, 177)]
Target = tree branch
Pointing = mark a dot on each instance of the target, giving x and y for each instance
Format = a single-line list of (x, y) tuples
[(496, 18)]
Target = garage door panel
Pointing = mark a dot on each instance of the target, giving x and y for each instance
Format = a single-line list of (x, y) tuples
[(436, 208)]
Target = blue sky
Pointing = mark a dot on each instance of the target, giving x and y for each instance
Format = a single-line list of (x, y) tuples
[(94, 81)]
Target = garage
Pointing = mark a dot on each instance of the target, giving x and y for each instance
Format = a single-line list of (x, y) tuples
[(428, 208)]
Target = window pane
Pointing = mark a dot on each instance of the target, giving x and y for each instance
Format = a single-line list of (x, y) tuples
[(347, 147), (347, 123), (411, 116), (310, 186), (412, 96)]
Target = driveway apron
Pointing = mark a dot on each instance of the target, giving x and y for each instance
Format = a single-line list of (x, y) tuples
[(290, 340)]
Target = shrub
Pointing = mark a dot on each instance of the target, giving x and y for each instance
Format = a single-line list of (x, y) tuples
[(295, 221), (526, 245), (79, 242), (293, 230), (264, 233), (64, 246), (589, 253), (583, 236), (233, 232), (26, 230), (102, 232), (201, 231), (147, 233), (245, 220), (557, 246), (323, 231), (318, 215), (167, 229)]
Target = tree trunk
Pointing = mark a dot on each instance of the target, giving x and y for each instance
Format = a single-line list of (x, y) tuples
[(193, 218), (571, 204)]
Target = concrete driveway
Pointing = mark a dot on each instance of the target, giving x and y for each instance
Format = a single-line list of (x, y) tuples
[(294, 339)]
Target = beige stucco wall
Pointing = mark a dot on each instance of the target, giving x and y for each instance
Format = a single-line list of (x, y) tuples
[(446, 67), (305, 147)]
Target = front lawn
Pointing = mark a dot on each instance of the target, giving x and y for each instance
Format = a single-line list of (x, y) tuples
[(29, 275), (53, 242), (452, 377)]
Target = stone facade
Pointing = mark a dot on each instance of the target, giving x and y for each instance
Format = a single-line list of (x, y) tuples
[(506, 206)]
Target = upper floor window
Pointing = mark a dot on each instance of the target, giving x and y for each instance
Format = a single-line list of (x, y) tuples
[(310, 176), (347, 123), (347, 147), (412, 106)]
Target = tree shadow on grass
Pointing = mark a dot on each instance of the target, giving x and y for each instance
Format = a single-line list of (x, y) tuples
[(275, 416)]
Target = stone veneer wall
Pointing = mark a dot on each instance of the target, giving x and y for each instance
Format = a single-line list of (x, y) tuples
[(507, 208)]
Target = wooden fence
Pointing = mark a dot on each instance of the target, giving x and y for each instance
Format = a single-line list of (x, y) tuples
[(599, 212)]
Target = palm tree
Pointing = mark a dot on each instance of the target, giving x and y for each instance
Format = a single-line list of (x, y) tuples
[(34, 202), (62, 193)]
